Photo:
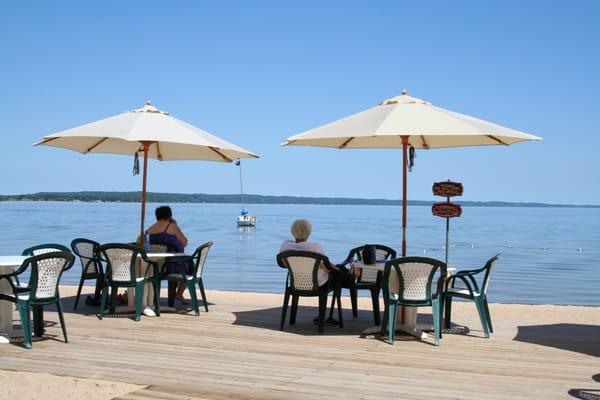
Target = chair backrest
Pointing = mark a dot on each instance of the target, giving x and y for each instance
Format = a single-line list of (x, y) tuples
[(382, 253), (46, 270), (303, 267), (44, 248), (199, 257), (489, 267), (85, 249), (120, 261), (411, 278)]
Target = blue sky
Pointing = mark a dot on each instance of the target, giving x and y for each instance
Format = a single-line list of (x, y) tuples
[(257, 72)]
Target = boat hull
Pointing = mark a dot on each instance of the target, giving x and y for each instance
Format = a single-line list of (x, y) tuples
[(246, 220)]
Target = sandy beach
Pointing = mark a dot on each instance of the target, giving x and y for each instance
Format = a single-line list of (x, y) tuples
[(237, 351)]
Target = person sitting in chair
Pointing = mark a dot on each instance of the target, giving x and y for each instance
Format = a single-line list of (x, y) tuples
[(166, 232), (301, 230)]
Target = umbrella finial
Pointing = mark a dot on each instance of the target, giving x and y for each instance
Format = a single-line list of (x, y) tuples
[(148, 103), (404, 92)]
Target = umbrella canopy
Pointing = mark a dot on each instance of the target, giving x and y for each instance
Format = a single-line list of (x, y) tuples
[(425, 125), (151, 132), (170, 138), (404, 121)]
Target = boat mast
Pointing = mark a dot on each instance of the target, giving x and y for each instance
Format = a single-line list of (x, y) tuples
[(239, 164)]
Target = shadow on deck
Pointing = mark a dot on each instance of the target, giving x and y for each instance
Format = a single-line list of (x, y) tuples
[(572, 337)]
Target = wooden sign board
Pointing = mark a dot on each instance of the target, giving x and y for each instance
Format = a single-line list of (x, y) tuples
[(446, 210), (447, 189)]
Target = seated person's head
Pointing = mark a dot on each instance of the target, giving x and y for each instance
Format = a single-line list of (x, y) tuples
[(163, 212), (301, 230)]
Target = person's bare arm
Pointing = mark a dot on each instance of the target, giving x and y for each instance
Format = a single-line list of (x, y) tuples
[(178, 233)]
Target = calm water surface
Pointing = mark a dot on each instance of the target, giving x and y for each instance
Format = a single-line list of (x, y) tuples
[(548, 255)]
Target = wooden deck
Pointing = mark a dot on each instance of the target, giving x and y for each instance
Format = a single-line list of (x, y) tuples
[(236, 351)]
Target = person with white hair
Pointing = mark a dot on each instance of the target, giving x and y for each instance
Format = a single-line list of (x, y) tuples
[(301, 229)]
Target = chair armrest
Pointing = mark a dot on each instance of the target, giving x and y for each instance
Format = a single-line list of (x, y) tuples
[(468, 284), (470, 271)]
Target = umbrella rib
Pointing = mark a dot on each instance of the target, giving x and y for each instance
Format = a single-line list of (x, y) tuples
[(46, 141), (425, 145), (95, 145), (346, 143), (221, 154), (497, 140)]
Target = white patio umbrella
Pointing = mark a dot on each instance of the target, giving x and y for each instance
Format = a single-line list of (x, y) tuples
[(151, 132), (405, 121)]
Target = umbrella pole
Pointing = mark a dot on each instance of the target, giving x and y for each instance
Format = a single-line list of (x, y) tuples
[(404, 178), (145, 145)]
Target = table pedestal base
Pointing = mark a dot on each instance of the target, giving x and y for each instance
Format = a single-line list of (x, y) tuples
[(409, 326)]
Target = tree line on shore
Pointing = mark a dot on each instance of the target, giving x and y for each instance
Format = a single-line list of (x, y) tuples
[(153, 197)]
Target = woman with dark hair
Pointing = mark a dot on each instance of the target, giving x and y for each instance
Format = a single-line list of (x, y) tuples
[(166, 232)]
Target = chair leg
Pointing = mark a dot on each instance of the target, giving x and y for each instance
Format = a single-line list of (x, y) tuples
[(339, 304), (62, 320), (488, 315), (332, 305), (100, 315), (24, 312), (448, 312), (113, 299), (286, 300), (376, 312), (294, 309), (78, 292), (38, 320), (191, 285), (139, 297), (98, 289), (392, 322), (172, 288), (440, 315), (322, 310), (482, 318), (354, 301), (384, 322), (201, 286), (435, 305), (156, 284)]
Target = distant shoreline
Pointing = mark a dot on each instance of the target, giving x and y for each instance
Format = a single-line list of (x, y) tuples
[(152, 197)]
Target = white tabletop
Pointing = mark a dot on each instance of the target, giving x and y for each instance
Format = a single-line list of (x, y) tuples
[(11, 261), (162, 255)]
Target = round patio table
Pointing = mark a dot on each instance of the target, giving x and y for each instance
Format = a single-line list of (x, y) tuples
[(7, 263)]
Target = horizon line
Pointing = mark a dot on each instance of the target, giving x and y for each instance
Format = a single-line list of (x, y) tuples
[(235, 198)]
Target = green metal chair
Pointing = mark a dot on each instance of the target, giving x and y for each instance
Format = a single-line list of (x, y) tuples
[(91, 267), (121, 260), (198, 259), (369, 279), (302, 280), (471, 291), (408, 281), (45, 271), (38, 311)]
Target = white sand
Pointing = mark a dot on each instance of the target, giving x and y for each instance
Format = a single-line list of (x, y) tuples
[(34, 386)]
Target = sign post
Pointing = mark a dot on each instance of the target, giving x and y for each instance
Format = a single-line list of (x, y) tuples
[(447, 209)]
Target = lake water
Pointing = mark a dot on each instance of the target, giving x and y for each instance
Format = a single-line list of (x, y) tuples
[(548, 255)]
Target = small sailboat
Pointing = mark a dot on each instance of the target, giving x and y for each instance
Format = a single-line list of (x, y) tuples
[(244, 219)]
